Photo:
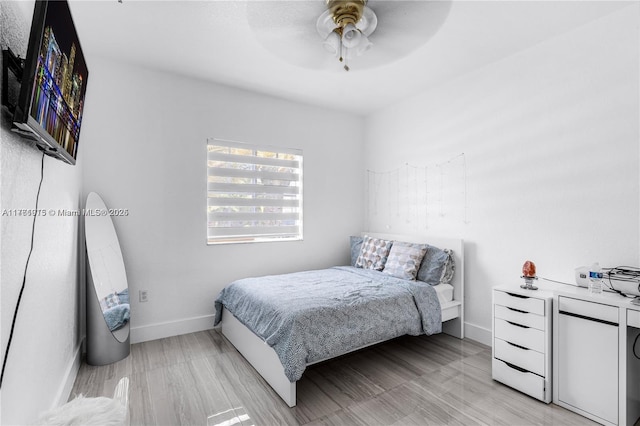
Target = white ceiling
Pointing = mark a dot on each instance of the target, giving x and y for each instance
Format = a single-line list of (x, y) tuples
[(231, 42)]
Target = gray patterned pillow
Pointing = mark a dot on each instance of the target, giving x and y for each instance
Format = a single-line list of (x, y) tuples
[(356, 245), (404, 260), (437, 266), (374, 253)]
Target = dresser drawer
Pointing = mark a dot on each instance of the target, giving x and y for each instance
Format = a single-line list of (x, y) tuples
[(522, 303), (525, 358), (528, 337), (519, 317), (524, 381), (583, 308)]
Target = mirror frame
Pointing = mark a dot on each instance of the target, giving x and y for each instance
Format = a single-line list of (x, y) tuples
[(103, 255)]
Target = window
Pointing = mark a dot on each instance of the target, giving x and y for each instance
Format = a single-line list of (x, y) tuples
[(254, 193)]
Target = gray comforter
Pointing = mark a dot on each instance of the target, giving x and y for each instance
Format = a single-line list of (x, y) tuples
[(314, 315)]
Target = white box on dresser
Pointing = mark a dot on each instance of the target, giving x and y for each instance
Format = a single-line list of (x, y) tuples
[(522, 338)]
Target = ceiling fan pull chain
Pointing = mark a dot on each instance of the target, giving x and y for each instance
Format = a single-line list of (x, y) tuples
[(343, 55)]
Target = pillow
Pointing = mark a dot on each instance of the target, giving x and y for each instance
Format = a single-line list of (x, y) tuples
[(373, 253), (437, 266), (111, 300), (356, 245), (404, 260)]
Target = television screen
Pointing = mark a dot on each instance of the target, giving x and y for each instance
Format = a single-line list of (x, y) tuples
[(54, 82)]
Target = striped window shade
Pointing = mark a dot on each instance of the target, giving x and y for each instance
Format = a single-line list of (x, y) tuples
[(254, 193)]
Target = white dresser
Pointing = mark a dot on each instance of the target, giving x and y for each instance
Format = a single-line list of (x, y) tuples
[(560, 343), (596, 370), (522, 336)]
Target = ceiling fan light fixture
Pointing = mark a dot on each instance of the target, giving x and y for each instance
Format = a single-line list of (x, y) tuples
[(368, 22), (363, 46), (325, 24), (352, 22), (351, 36), (332, 43)]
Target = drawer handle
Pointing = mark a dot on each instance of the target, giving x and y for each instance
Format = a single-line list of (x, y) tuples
[(518, 325), (571, 314), (518, 346), (520, 369), (515, 367), (516, 310), (519, 296)]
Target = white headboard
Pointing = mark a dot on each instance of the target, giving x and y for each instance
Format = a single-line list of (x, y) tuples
[(454, 244)]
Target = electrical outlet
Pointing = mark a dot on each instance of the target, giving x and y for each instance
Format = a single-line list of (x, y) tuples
[(144, 295)]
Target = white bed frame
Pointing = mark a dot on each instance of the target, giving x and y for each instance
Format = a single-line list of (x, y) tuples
[(264, 359)]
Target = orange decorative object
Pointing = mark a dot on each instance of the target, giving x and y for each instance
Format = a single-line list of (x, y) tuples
[(529, 269)]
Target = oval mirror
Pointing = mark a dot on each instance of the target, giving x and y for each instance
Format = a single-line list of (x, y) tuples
[(108, 309)]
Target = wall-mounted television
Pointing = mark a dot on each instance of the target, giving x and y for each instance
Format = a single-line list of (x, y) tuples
[(54, 83)]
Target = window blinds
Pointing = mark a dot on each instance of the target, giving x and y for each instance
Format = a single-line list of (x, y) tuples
[(254, 193)]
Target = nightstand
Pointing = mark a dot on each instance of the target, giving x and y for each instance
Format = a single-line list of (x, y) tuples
[(522, 336)]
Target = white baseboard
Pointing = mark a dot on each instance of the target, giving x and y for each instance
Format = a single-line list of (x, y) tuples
[(64, 392), (161, 330), (477, 333), (191, 325)]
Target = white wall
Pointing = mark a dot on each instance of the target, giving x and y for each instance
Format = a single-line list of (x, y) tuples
[(550, 140), (147, 153), (45, 351)]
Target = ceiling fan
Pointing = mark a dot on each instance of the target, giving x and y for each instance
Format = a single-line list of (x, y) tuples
[(341, 34)]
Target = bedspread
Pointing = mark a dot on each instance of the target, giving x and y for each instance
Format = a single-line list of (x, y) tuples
[(314, 315), (117, 316)]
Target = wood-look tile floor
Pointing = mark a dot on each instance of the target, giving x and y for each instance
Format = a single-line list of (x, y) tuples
[(200, 379)]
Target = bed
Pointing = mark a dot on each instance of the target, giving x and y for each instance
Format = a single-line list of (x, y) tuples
[(334, 311)]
